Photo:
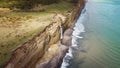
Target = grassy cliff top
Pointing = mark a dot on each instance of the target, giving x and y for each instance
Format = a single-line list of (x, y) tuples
[(18, 27)]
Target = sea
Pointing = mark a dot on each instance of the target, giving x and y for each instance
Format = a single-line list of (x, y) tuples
[(96, 37)]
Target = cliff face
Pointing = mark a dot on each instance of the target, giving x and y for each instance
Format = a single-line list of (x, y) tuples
[(45, 50)]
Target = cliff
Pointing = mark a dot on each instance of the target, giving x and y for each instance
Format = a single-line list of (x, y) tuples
[(47, 49)]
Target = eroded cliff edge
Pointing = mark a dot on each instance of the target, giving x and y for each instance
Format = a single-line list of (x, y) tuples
[(46, 50)]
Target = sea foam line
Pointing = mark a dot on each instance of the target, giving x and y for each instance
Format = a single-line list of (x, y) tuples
[(78, 29)]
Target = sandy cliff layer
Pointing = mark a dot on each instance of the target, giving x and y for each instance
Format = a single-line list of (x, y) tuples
[(45, 49)]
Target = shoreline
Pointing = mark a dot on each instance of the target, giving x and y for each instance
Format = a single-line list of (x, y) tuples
[(22, 56), (66, 42), (73, 36), (57, 60)]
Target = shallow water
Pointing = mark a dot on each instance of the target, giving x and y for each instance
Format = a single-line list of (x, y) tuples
[(100, 45)]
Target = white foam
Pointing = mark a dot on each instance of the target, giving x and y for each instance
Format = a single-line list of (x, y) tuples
[(78, 29), (66, 59)]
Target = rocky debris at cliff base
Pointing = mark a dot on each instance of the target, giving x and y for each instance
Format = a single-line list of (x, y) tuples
[(56, 60), (67, 37)]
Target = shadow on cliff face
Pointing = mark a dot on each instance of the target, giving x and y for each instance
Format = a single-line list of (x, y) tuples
[(31, 52), (67, 37)]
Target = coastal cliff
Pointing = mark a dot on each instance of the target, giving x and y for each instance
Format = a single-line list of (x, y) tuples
[(47, 49)]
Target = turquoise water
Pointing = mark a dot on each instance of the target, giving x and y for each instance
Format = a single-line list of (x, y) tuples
[(101, 39)]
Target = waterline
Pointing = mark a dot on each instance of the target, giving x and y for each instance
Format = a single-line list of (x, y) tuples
[(101, 38), (78, 29)]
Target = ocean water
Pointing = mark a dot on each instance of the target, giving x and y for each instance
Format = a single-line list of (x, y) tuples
[(96, 36)]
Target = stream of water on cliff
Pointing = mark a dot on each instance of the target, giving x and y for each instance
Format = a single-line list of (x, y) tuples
[(100, 45)]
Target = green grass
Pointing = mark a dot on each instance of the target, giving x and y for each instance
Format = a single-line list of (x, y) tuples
[(6, 50), (11, 37), (60, 7)]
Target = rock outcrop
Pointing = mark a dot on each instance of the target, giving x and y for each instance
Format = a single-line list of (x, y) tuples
[(45, 49)]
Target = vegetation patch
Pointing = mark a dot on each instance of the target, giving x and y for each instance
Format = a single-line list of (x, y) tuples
[(18, 27)]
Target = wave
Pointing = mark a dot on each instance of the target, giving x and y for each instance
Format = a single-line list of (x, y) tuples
[(78, 29)]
